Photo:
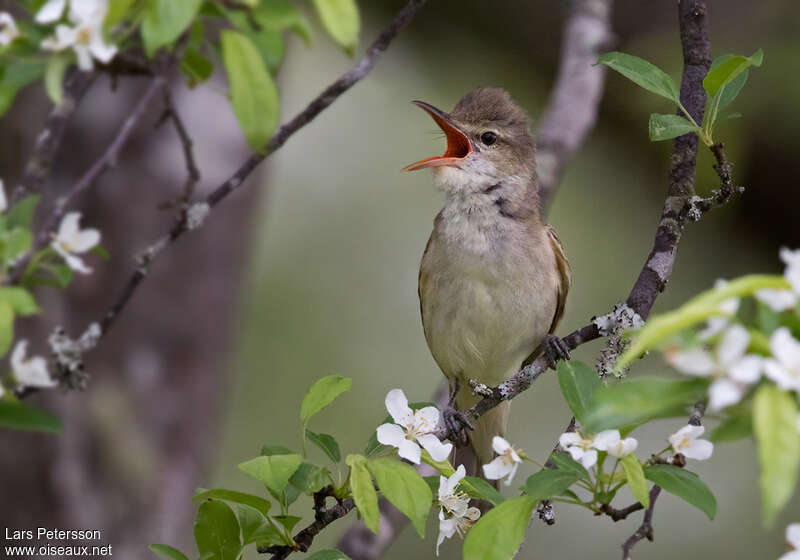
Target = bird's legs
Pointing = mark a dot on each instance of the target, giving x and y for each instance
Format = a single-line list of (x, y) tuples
[(555, 349), (456, 422)]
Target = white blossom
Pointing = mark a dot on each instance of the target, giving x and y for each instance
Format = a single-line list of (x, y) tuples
[(732, 369), (505, 464), (793, 540), (716, 325), (784, 367), (412, 429), (3, 199), (32, 371), (585, 450), (71, 240), (611, 442), (687, 442), (8, 29), (84, 36), (781, 300), (455, 515)]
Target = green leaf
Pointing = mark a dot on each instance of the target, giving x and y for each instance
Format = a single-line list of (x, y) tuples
[(274, 470), (275, 450), (165, 20), (16, 76), (327, 443), (256, 527), (733, 429), (217, 532), (117, 10), (775, 425), (635, 474), (20, 300), (21, 214), (636, 401), (664, 127), (256, 502), (729, 92), (22, 416), (168, 552), (253, 93), (288, 521), (321, 394), (54, 77), (650, 77), (328, 554), (684, 484), (578, 384), (197, 67), (307, 479), (479, 488), (279, 15), (364, 494), (567, 464), (498, 534), (549, 482), (17, 242), (404, 488), (6, 327), (341, 20), (727, 70)]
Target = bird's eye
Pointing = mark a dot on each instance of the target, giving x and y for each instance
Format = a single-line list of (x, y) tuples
[(488, 138)]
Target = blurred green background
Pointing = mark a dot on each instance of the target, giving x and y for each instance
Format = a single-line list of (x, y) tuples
[(342, 229)]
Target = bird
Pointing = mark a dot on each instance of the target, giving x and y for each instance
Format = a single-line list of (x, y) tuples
[(494, 278)]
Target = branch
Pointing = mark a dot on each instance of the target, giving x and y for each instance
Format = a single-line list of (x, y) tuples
[(572, 109), (645, 530), (657, 269), (187, 145), (322, 518), (48, 142)]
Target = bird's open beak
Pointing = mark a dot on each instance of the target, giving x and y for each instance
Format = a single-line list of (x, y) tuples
[(458, 145)]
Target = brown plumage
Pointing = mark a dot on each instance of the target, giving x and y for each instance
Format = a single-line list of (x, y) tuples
[(493, 279)]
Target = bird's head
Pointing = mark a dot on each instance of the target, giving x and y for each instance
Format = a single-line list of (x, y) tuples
[(488, 141)]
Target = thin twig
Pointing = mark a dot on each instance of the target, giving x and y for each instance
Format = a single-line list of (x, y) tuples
[(645, 530), (48, 142), (107, 159), (187, 145)]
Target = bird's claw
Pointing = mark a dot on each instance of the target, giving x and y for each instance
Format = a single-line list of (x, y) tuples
[(457, 425), (555, 349)]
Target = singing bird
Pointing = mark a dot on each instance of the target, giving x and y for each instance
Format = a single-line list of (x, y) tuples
[(493, 280)]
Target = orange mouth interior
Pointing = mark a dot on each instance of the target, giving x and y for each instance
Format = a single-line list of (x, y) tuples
[(458, 146)]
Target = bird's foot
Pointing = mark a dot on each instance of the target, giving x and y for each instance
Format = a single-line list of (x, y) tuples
[(457, 425), (555, 349)]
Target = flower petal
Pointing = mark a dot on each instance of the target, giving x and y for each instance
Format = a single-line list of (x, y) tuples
[(589, 458), (18, 355), (85, 240), (438, 450), (785, 348), (694, 362), (699, 449), (793, 534), (782, 377), (410, 450), (777, 300), (606, 439), (76, 263), (747, 370), (500, 445), (569, 438), (51, 11), (397, 405), (724, 392), (390, 434), (496, 469), (426, 419), (733, 345), (70, 222), (512, 472)]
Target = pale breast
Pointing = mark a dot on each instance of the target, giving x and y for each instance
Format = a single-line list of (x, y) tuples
[(486, 303)]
